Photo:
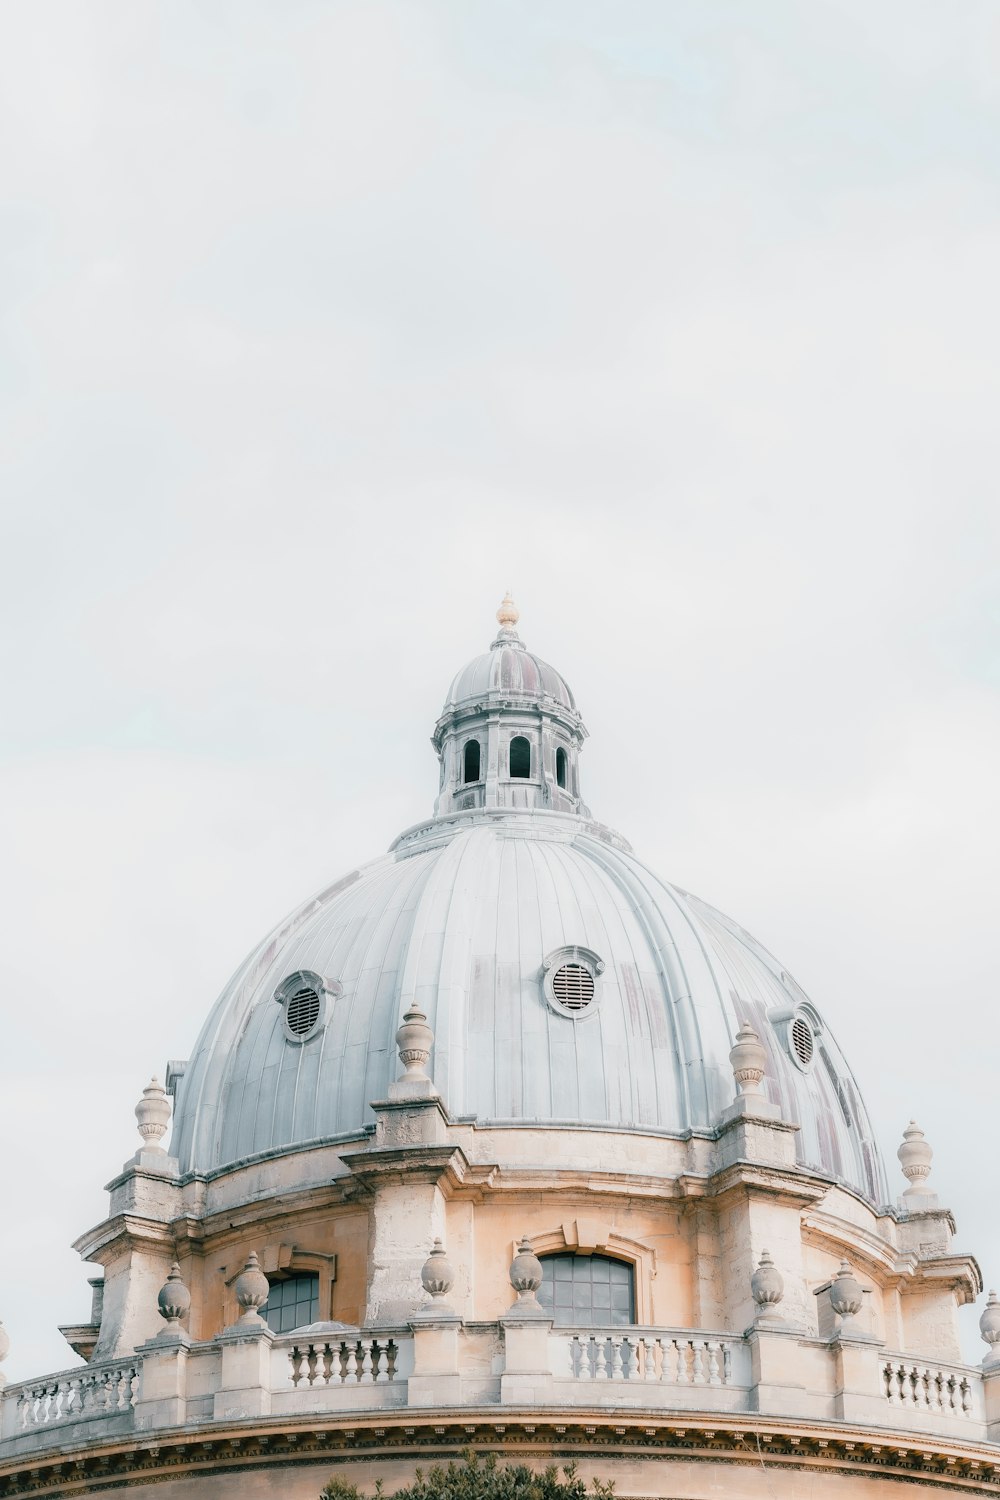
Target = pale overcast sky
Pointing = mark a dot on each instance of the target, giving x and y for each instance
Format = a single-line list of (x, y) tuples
[(323, 323)]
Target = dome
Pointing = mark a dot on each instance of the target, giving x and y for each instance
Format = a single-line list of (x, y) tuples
[(462, 920), (566, 984), (508, 671)]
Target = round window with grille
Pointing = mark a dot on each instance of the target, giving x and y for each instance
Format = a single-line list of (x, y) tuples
[(303, 997), (302, 1010), (573, 986), (571, 981), (801, 1041)]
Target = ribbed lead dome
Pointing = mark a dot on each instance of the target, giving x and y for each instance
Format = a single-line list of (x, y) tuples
[(565, 983), (463, 921), (508, 670)]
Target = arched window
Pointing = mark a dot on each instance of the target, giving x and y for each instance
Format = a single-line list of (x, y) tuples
[(587, 1291), (520, 757), (471, 770), (561, 766), (292, 1303)]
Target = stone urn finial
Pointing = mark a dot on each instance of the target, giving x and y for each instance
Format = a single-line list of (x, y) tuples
[(252, 1288), (4, 1351), (414, 1039), (915, 1156), (174, 1301), (767, 1287), (437, 1277), (526, 1278), (748, 1059), (989, 1328), (846, 1296), (153, 1115)]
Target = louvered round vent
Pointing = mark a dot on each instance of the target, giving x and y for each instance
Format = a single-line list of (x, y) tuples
[(573, 986), (302, 1011), (306, 999), (801, 1038)]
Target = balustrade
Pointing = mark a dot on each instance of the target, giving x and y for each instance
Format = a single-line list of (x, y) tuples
[(94, 1391), (938, 1390), (362, 1361), (660, 1358)]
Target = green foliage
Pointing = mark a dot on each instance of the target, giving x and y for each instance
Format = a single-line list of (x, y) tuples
[(485, 1479)]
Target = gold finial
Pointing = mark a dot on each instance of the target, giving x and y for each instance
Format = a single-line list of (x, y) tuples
[(507, 614)]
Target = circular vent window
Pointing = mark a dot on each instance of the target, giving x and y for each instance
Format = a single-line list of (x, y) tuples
[(573, 986), (570, 981), (302, 1010), (802, 1042), (304, 997)]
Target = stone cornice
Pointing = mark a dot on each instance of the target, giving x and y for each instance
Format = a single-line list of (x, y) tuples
[(533, 1435)]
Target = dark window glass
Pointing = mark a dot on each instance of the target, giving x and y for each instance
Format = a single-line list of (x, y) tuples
[(472, 760), (520, 757), (561, 766), (292, 1303), (587, 1291)]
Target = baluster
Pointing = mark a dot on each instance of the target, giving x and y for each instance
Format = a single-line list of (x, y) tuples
[(965, 1390), (912, 1378), (617, 1370), (351, 1374), (681, 1368), (648, 1357), (713, 1363), (937, 1390), (601, 1361), (698, 1366), (585, 1371), (920, 1399), (382, 1364), (727, 1364), (295, 1361), (885, 1370), (366, 1362)]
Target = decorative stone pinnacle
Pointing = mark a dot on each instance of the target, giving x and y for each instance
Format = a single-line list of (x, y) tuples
[(989, 1328), (915, 1156), (508, 614), (748, 1058), (526, 1278), (414, 1040), (437, 1276), (174, 1300), (4, 1351), (153, 1114), (252, 1288), (767, 1287), (846, 1296)]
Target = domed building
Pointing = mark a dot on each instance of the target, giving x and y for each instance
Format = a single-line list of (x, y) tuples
[(502, 1142)]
